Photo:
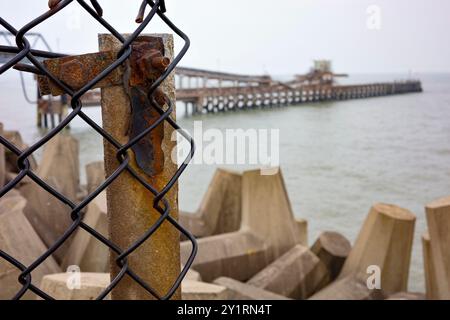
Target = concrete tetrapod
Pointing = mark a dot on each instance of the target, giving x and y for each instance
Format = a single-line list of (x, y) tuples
[(95, 175), (332, 249), (302, 230), (382, 253), (242, 291), (196, 290), (8, 162), (385, 241), (59, 168), (267, 231), (19, 239), (297, 274), (75, 286), (88, 286), (431, 283), (438, 259), (11, 158), (220, 209), (407, 296), (348, 288), (85, 251)]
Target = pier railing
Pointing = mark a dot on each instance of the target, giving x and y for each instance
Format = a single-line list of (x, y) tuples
[(124, 165)]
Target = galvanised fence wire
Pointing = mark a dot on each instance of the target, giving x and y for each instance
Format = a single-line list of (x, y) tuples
[(23, 50)]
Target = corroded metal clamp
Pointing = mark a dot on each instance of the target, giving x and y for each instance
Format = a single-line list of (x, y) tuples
[(145, 65)]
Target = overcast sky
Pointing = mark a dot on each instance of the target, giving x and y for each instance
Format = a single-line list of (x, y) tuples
[(278, 36)]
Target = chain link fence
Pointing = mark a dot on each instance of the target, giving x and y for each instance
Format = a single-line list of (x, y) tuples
[(23, 50)]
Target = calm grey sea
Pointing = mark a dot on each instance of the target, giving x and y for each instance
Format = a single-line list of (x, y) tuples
[(338, 158)]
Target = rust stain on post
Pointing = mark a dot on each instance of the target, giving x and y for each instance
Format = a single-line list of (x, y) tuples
[(130, 205), (138, 79)]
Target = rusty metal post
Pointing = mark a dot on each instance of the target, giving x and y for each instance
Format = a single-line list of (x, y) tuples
[(130, 205)]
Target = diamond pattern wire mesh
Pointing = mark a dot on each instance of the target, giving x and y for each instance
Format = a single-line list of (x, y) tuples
[(24, 50)]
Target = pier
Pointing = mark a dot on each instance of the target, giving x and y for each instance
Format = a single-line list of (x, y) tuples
[(204, 91), (212, 100), (207, 92)]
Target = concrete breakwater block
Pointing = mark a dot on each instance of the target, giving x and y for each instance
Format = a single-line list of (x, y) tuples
[(431, 283), (242, 291), (220, 209), (302, 231), (196, 290), (59, 168), (297, 274), (19, 239), (75, 286), (88, 286), (226, 254), (95, 175), (382, 249), (11, 158), (85, 251), (384, 244), (268, 230), (268, 213), (437, 257), (407, 296), (332, 249), (192, 275), (348, 288)]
